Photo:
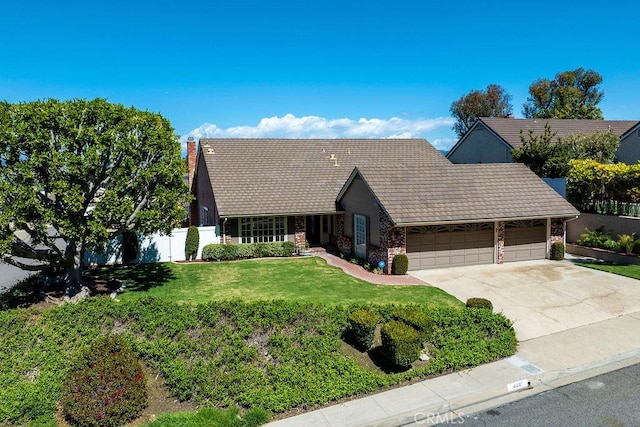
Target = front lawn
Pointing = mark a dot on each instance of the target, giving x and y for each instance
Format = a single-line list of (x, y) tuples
[(628, 270), (307, 279)]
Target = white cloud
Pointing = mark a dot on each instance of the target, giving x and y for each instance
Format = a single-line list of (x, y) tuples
[(291, 126)]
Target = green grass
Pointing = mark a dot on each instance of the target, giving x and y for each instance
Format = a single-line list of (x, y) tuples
[(628, 270), (211, 417), (295, 279)]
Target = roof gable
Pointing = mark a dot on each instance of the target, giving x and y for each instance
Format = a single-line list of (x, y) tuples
[(509, 129), (297, 176), (422, 194)]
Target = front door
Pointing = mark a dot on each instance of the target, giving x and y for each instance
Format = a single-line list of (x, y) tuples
[(360, 236)]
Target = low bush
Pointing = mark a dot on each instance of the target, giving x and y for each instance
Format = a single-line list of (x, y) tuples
[(628, 242), (400, 343), (420, 320), (233, 251), (557, 251), (106, 387), (362, 327), (400, 264), (479, 303), (288, 248)]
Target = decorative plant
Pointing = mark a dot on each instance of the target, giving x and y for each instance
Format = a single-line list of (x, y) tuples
[(192, 243), (628, 242), (107, 387), (557, 251)]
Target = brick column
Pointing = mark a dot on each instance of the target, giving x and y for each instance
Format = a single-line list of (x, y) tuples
[(300, 236), (557, 230), (393, 240), (343, 242), (501, 233)]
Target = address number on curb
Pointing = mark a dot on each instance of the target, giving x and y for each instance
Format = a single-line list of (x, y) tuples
[(518, 385)]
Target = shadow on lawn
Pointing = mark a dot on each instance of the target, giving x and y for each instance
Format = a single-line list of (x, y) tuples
[(141, 277)]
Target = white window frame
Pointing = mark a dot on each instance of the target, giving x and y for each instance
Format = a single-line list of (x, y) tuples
[(262, 229), (360, 235)]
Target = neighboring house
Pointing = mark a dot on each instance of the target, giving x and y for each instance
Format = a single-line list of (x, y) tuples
[(490, 140), (375, 198)]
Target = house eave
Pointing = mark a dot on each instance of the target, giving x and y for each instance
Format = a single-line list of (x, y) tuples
[(473, 221)]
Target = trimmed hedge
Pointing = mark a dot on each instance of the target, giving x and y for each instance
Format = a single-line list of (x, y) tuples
[(417, 319), (362, 327), (400, 343), (192, 243), (557, 251), (479, 303), (233, 251), (107, 387), (400, 264)]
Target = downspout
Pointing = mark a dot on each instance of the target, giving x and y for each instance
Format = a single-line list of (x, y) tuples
[(224, 231)]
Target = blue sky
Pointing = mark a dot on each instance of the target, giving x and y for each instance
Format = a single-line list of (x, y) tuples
[(305, 69)]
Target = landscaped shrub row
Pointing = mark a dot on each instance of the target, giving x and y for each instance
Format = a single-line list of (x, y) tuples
[(273, 355), (627, 243), (231, 251), (479, 303)]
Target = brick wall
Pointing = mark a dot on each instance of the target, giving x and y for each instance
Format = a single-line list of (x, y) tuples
[(393, 240), (344, 243), (300, 235), (501, 233), (557, 230)]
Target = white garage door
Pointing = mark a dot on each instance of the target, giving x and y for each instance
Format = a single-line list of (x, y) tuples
[(525, 240), (449, 246)]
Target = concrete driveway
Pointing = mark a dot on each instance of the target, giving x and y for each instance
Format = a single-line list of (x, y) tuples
[(541, 297)]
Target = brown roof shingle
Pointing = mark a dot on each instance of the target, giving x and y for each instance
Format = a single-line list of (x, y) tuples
[(423, 194), (509, 128), (298, 176)]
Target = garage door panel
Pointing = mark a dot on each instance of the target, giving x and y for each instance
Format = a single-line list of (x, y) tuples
[(525, 240), (450, 246)]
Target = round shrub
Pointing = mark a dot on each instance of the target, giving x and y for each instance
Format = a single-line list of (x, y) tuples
[(400, 343), (106, 386), (192, 243), (362, 327), (557, 251), (479, 303), (400, 264)]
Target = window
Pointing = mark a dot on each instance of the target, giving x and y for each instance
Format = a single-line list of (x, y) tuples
[(263, 229), (360, 235)]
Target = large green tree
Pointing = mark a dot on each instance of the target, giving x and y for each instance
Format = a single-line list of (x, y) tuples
[(572, 94), (494, 101), (75, 174)]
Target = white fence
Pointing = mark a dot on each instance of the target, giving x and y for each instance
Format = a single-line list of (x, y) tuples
[(155, 248)]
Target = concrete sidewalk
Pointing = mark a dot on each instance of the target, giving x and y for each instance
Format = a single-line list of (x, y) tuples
[(543, 363)]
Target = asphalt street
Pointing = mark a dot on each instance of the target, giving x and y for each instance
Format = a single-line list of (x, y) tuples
[(606, 400)]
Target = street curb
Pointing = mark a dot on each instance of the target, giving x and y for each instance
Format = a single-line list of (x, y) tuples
[(454, 411)]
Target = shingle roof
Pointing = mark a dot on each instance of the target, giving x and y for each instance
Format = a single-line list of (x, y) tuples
[(509, 129), (463, 192), (297, 176)]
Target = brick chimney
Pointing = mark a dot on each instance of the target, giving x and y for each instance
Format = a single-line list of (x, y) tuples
[(191, 158)]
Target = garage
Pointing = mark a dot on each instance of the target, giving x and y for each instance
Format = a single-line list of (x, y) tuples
[(450, 245), (525, 240)]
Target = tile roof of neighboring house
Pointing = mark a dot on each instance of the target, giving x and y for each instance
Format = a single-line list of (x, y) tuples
[(509, 128), (463, 192), (298, 176)]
